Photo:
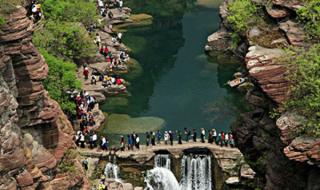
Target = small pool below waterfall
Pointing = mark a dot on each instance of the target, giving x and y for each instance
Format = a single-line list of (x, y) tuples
[(180, 86)]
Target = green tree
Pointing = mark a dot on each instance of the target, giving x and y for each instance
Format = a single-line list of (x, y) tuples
[(67, 40), (61, 77), (240, 14), (83, 11)]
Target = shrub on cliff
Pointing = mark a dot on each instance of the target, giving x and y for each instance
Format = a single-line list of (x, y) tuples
[(83, 11), (66, 40), (305, 90), (61, 77), (310, 16), (241, 14)]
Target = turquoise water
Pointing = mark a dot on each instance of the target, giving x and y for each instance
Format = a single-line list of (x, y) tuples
[(179, 84)]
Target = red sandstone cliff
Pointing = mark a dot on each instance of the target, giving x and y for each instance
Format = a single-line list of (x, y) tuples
[(34, 132), (277, 153)]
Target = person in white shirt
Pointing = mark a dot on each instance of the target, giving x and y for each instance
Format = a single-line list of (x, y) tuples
[(82, 140), (226, 139), (137, 141), (94, 139)]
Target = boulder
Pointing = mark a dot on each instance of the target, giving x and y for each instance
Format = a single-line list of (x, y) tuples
[(270, 75), (294, 32), (288, 123), (304, 149), (24, 179)]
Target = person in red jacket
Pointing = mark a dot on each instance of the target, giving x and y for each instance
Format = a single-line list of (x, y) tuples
[(86, 73), (222, 138)]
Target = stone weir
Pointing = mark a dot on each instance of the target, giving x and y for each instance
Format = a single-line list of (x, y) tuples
[(229, 169), (34, 132)]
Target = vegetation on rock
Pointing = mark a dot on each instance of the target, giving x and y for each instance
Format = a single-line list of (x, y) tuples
[(62, 76), (67, 165), (241, 14), (305, 97), (309, 15), (63, 40), (67, 40), (83, 11)]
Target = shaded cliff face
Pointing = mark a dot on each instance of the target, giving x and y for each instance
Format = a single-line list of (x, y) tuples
[(283, 160), (34, 132)]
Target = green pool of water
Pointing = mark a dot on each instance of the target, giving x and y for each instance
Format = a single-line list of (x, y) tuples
[(179, 86)]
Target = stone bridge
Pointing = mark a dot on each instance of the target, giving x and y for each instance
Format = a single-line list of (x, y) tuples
[(228, 165)]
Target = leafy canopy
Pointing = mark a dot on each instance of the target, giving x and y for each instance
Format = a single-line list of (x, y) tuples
[(61, 77), (241, 14), (306, 88), (67, 40), (83, 11)]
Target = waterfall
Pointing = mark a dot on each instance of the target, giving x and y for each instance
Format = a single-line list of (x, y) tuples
[(161, 179), (162, 161), (112, 170), (196, 172)]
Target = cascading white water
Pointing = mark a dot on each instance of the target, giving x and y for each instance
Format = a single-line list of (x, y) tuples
[(163, 161), (112, 170), (196, 172), (161, 178)]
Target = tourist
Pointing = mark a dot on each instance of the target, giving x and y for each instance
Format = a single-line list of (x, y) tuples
[(94, 139), (158, 137), (119, 37), (110, 14), (210, 137), (147, 138), (179, 137), (93, 80), (133, 136), (153, 138), (194, 135), (77, 138), (232, 143), (171, 138), (120, 3), (122, 144), (187, 134), (137, 142), (104, 144), (214, 135), (98, 40), (222, 138), (82, 140), (218, 139), (85, 164), (202, 135), (166, 137), (86, 73), (226, 139), (129, 140)]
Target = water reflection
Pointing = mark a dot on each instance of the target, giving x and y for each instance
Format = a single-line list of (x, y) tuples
[(179, 84)]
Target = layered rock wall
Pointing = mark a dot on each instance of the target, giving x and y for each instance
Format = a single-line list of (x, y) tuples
[(283, 160), (34, 132)]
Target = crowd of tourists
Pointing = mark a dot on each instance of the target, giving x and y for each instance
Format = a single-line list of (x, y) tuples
[(133, 141), (105, 5), (84, 107), (115, 57)]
